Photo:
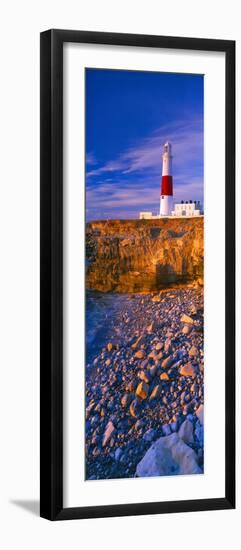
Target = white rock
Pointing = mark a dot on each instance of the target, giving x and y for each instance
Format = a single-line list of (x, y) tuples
[(200, 414), (186, 431), (199, 433), (166, 430), (149, 435), (109, 430), (118, 454), (168, 456)]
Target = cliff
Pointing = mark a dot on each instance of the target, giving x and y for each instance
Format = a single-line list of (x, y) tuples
[(143, 255)]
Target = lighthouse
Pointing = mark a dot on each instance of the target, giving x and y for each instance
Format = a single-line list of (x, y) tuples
[(166, 198)]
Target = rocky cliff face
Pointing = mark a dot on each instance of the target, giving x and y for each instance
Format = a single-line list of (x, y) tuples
[(143, 255)]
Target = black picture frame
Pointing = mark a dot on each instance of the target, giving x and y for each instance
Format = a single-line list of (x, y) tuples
[(51, 323)]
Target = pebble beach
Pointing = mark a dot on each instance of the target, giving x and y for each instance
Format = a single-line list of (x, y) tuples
[(144, 384)]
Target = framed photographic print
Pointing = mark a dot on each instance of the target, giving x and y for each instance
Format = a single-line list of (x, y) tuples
[(137, 274)]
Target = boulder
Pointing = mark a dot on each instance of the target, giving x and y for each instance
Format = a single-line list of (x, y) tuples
[(174, 426), (166, 429), (186, 432), (199, 433), (200, 414), (168, 456), (149, 435)]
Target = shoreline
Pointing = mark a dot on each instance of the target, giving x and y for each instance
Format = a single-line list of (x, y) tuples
[(147, 344)]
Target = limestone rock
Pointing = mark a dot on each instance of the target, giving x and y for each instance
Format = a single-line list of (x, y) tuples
[(118, 454), (126, 399), (168, 456), (193, 351), (142, 390), (164, 376), (199, 433), (156, 392), (149, 435), (186, 319), (166, 362), (200, 414), (188, 370), (186, 431), (143, 254), (150, 327), (152, 370), (168, 345), (143, 376), (156, 298), (152, 355), (134, 406), (137, 342), (109, 430), (131, 386), (140, 354), (166, 429), (186, 329), (159, 346)]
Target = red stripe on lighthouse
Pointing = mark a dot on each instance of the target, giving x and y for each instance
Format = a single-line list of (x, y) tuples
[(166, 188)]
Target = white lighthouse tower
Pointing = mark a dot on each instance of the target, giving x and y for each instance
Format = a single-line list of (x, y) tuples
[(166, 198)]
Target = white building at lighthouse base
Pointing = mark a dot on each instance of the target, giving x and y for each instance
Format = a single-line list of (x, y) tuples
[(187, 208), (184, 209)]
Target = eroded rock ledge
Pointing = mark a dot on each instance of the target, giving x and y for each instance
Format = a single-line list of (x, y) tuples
[(143, 255)]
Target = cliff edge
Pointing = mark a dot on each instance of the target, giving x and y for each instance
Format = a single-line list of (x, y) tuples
[(143, 255)]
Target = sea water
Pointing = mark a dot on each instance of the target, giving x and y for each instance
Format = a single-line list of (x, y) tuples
[(102, 314)]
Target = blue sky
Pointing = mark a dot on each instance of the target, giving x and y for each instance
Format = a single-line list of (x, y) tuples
[(129, 116)]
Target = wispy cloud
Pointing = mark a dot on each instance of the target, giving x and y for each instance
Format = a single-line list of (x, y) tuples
[(111, 201), (131, 182), (90, 159), (187, 140)]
